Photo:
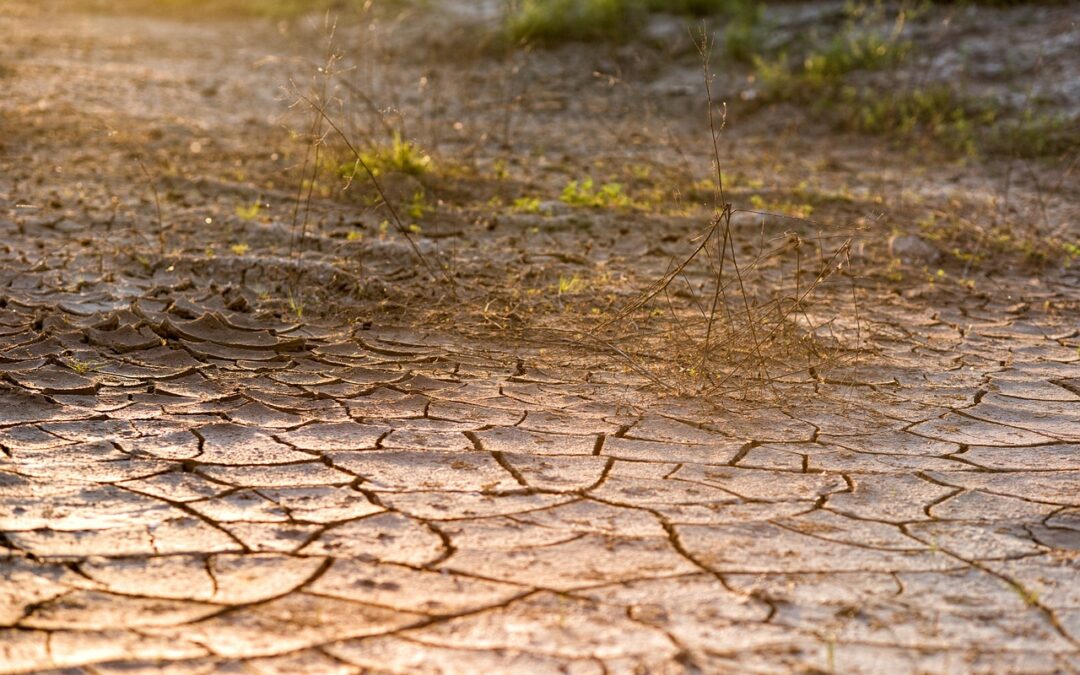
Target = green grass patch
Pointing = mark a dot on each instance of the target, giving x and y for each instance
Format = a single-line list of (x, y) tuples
[(744, 31), (937, 117), (937, 114), (400, 156), (556, 21), (959, 124), (550, 21), (270, 9), (979, 246), (824, 69), (588, 194)]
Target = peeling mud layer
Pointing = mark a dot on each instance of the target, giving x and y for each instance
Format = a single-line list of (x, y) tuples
[(196, 476)]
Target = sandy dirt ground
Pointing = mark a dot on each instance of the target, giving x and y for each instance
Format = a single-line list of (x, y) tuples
[(247, 432)]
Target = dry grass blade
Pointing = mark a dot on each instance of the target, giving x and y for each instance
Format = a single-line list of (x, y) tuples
[(399, 225), (756, 331), (157, 204)]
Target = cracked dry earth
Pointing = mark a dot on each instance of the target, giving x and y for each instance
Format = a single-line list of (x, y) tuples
[(224, 491), (189, 484)]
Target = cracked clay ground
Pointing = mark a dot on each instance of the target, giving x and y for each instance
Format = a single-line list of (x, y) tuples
[(189, 484)]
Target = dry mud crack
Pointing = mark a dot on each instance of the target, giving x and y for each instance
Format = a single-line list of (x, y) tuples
[(191, 484), (230, 489)]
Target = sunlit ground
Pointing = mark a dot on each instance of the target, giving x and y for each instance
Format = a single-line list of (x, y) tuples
[(600, 336)]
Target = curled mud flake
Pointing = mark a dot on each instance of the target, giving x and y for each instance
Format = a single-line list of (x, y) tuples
[(550, 623), (29, 437), (95, 610), (156, 537), (237, 445), (411, 590), (321, 504), (385, 537), (966, 430), (581, 562), (91, 306), (99, 462), (294, 376), (211, 328), (1059, 420), (436, 506), (404, 471), (761, 485), (385, 403), (891, 499), (300, 474), (335, 436), (124, 339), (207, 351), (557, 474), (171, 358), (1047, 487), (412, 655), (264, 417), (190, 385), (831, 526), (515, 440), (474, 414), (54, 380), (1035, 458), (240, 506), (287, 624), (624, 486), (422, 439), (763, 547), (282, 537)]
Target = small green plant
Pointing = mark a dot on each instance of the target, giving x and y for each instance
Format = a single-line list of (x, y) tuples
[(570, 285), (401, 156), (248, 211), (526, 205), (585, 193), (296, 306), (240, 248), (551, 21), (79, 366), (418, 205)]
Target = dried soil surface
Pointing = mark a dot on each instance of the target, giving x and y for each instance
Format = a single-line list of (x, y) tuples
[(199, 475)]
